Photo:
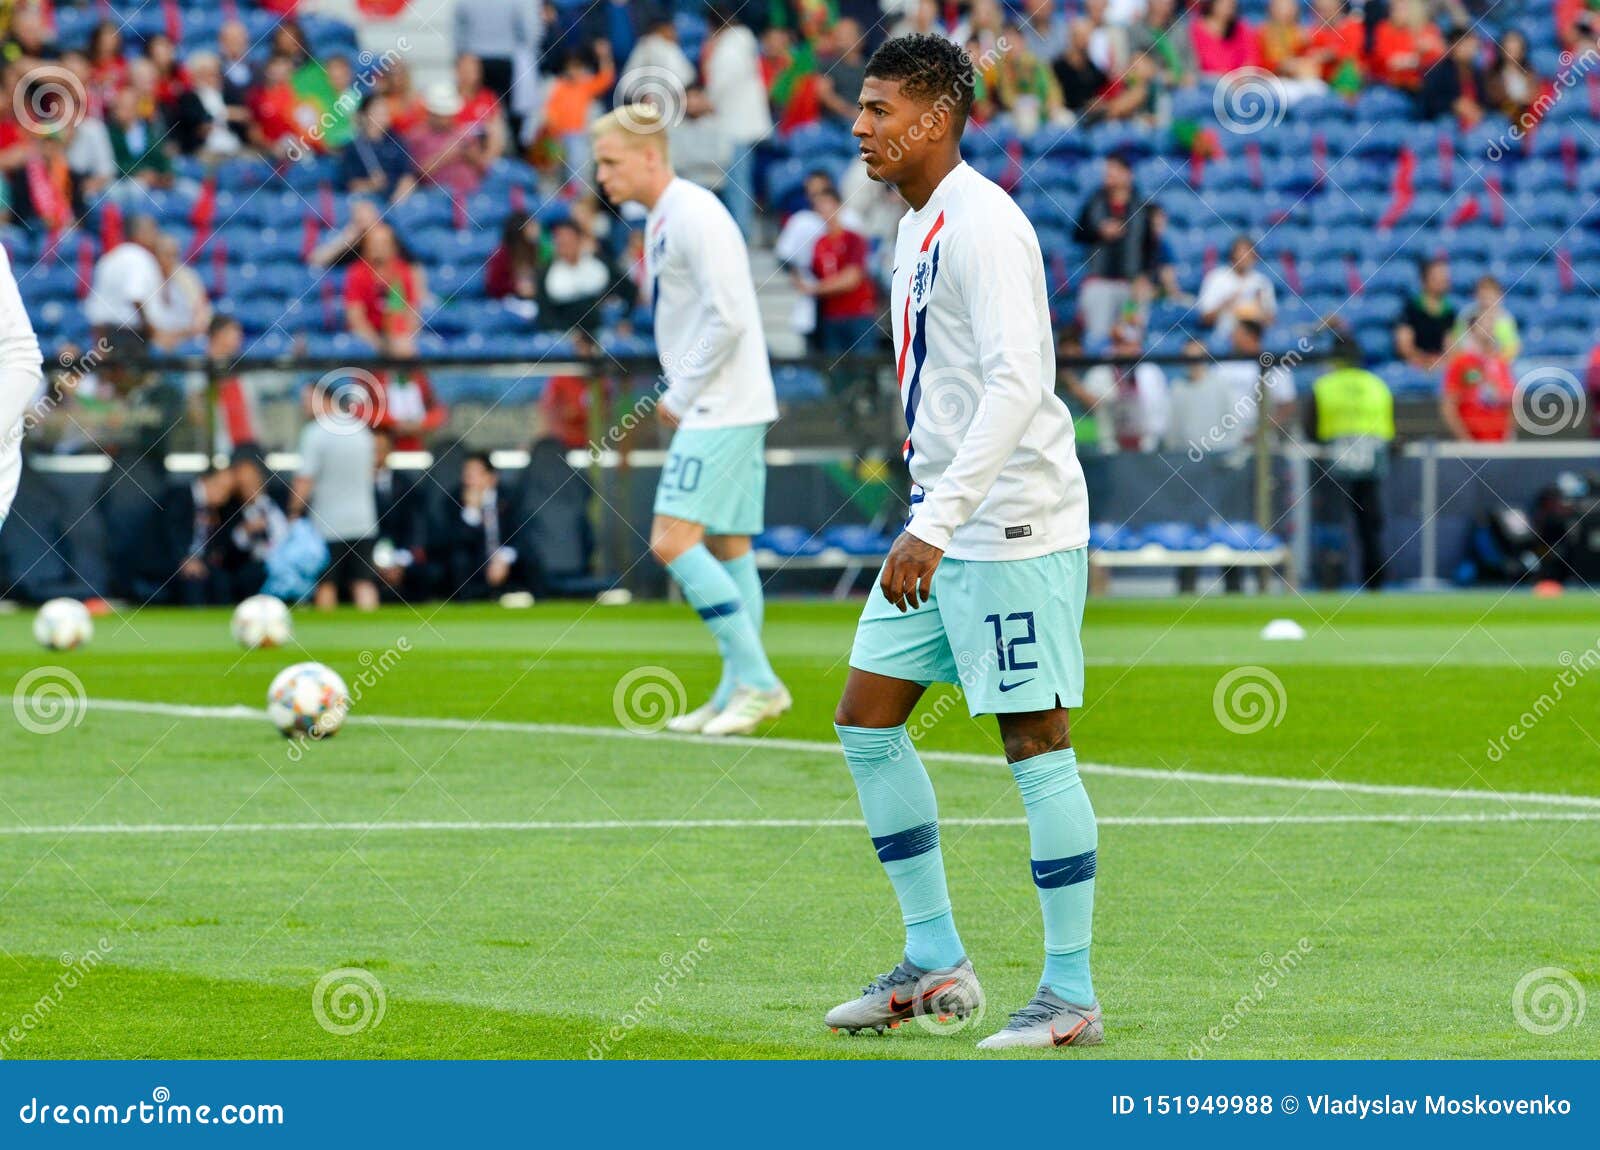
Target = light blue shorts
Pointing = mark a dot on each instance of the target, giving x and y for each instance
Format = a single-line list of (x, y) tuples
[(1009, 632), (716, 477)]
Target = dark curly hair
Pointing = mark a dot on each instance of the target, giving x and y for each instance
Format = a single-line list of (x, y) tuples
[(930, 69)]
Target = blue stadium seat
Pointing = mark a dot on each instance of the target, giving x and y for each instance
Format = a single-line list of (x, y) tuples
[(789, 541)]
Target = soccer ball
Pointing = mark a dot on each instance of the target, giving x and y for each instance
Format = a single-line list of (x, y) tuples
[(261, 621), (308, 700), (63, 624)]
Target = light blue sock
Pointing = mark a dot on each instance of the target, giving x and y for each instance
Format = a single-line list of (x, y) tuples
[(748, 578), (1062, 837), (712, 592), (903, 820)]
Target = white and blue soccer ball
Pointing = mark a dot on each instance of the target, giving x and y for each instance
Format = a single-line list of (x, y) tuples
[(308, 701), (262, 621), (63, 624)]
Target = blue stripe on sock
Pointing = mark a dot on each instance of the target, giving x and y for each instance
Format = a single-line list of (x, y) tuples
[(908, 843), (1051, 873), (718, 610)]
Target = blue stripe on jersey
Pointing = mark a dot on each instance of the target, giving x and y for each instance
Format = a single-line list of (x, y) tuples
[(919, 353)]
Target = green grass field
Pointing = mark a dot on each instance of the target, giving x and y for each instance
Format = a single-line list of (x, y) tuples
[(518, 876)]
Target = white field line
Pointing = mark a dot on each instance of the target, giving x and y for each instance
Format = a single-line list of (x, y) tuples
[(1210, 778), (771, 824)]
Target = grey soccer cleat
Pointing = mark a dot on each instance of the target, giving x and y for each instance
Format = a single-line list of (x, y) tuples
[(908, 991), (1049, 1020)]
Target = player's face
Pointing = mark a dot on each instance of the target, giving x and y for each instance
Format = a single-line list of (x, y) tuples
[(620, 170), (894, 131)]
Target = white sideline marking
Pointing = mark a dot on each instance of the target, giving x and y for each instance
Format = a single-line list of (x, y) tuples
[(775, 824), (1393, 790)]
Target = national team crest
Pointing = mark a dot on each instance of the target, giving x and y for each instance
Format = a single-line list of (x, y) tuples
[(922, 279)]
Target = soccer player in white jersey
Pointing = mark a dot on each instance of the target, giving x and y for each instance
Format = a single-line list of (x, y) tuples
[(718, 399), (986, 585), (21, 371)]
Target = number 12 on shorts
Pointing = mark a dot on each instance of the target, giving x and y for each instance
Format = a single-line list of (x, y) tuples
[(1006, 649)]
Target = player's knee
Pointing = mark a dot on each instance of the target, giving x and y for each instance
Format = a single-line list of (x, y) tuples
[(1034, 739)]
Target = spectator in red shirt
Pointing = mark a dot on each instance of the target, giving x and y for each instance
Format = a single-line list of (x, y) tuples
[(480, 107), (1405, 46), (383, 293), (1338, 41), (274, 105), (1476, 402), (108, 70), (1577, 21), (1222, 41), (847, 299), (448, 152)]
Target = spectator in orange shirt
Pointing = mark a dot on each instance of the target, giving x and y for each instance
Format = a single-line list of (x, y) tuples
[(1405, 46), (1284, 45), (570, 99), (1477, 400)]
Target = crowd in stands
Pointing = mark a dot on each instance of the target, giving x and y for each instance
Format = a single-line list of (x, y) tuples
[(242, 180)]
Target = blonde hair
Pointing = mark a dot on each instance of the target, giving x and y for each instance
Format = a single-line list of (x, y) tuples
[(642, 125)]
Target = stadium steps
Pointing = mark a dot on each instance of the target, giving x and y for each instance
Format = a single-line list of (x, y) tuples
[(777, 297), (426, 28)]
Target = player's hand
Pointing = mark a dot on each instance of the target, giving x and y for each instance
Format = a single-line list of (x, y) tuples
[(907, 578), (668, 417)]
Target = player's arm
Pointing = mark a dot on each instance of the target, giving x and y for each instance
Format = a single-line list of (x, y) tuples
[(997, 279), (717, 282)]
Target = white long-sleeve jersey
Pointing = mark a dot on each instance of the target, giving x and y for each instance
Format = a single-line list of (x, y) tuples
[(21, 368), (707, 320), (994, 467)]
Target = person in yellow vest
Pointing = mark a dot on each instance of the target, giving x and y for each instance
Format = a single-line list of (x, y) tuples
[(1352, 415)]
